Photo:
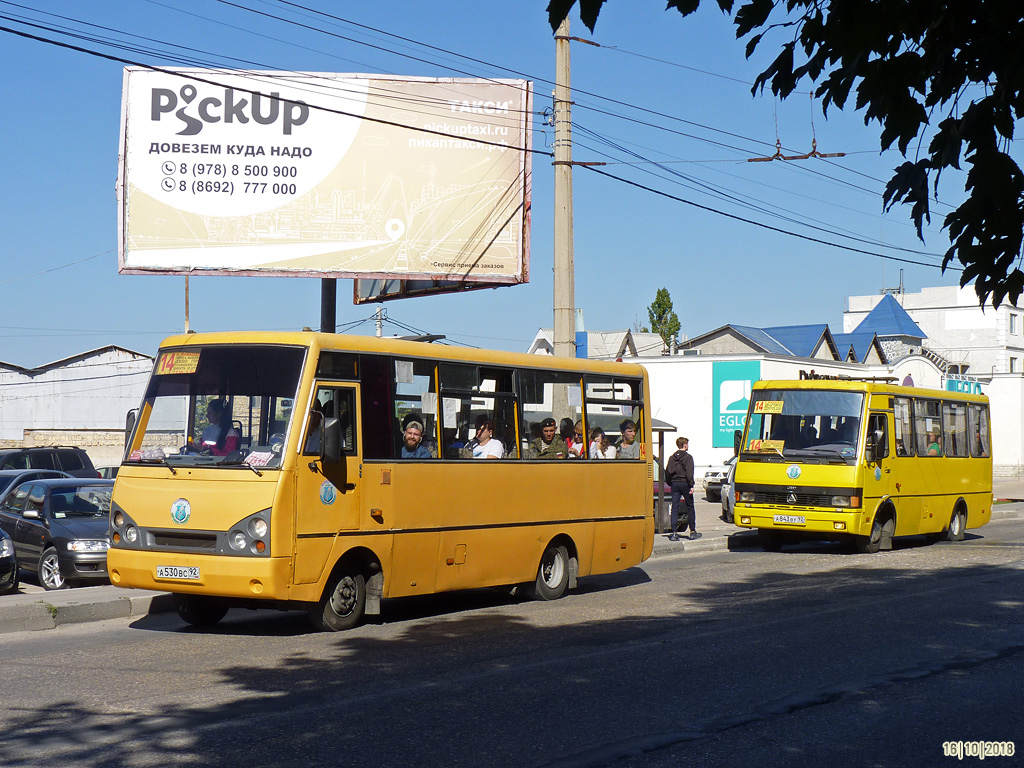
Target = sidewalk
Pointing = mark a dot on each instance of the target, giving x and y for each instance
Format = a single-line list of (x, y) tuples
[(47, 610)]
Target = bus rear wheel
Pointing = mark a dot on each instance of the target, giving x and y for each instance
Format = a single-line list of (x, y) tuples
[(199, 611), (343, 603), (957, 525), (552, 575)]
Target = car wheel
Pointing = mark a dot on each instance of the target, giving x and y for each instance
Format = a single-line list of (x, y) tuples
[(50, 576), (13, 585), (552, 575)]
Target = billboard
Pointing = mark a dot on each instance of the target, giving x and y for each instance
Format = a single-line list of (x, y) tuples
[(324, 175), (732, 383)]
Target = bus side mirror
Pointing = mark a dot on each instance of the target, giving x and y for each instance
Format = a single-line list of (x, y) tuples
[(876, 440), (129, 425), (737, 441), (331, 445)]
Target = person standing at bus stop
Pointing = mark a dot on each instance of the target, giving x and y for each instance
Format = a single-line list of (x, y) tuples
[(679, 473)]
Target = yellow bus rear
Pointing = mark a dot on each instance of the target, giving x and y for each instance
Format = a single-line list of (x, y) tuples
[(862, 461), (308, 502)]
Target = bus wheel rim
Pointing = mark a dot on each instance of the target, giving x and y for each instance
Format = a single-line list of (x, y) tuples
[(553, 570), (343, 599)]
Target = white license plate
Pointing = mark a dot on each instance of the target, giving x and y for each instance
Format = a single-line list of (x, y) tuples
[(188, 573), (791, 519)]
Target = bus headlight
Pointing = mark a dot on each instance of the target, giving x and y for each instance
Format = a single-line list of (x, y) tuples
[(257, 527), (747, 496), (237, 540), (846, 501), (131, 534)]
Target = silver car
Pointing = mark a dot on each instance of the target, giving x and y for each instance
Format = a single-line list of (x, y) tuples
[(728, 497), (714, 478)]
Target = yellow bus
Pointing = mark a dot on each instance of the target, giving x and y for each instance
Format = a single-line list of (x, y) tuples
[(326, 472), (862, 461)]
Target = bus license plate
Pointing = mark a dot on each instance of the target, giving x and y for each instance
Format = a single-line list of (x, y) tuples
[(187, 573), (791, 519)]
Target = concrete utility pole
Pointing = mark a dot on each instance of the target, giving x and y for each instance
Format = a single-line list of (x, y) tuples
[(565, 290)]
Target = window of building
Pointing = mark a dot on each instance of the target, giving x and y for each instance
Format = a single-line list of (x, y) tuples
[(1014, 324), (1014, 365)]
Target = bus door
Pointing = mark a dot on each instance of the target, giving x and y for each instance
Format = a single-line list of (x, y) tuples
[(326, 495), (879, 482)]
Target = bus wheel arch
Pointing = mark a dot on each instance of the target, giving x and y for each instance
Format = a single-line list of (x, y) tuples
[(352, 590), (883, 526), (558, 567), (199, 610), (957, 522)]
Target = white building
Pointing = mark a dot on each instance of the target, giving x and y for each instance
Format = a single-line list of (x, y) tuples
[(81, 400), (964, 337)]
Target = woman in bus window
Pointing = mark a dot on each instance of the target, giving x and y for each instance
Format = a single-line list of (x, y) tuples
[(934, 444), (600, 445)]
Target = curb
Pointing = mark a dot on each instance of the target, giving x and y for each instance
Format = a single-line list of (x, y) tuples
[(74, 607)]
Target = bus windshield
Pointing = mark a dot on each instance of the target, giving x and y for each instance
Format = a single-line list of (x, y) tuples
[(811, 425), (218, 406)]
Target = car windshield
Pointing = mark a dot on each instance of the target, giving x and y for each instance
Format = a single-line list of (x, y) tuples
[(84, 501), (218, 406), (808, 425)]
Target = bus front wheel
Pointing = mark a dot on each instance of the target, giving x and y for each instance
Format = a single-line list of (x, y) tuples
[(199, 611), (343, 603), (771, 541), (957, 525), (552, 575)]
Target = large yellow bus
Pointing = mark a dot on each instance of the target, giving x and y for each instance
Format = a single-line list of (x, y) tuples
[(326, 472), (862, 461)]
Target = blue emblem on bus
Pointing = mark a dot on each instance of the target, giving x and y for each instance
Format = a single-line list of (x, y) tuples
[(878, 473), (327, 492), (181, 511), (793, 471)]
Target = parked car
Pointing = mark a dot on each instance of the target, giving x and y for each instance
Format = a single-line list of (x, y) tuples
[(108, 473), (8, 565), (60, 529), (713, 479), (728, 497), (74, 461), (12, 478)]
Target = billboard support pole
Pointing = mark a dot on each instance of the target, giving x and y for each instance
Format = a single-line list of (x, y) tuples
[(328, 304), (565, 297)]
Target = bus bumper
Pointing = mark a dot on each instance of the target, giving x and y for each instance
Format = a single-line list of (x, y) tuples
[(818, 522), (213, 575)]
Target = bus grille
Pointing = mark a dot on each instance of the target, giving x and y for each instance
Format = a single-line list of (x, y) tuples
[(185, 540), (793, 499)]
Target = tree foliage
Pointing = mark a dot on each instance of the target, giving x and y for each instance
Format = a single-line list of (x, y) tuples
[(948, 76), (663, 320)]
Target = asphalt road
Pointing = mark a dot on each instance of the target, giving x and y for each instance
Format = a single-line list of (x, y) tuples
[(808, 657)]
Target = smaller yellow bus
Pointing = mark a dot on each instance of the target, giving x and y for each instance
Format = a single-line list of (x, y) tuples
[(862, 461), (326, 473)]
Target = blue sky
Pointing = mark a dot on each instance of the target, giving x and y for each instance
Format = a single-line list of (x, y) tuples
[(662, 87)]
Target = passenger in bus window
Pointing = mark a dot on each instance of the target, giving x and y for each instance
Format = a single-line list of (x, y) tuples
[(219, 437), (578, 444), (566, 431), (934, 444), (550, 444), (600, 445), (627, 447), (412, 441), (316, 417), (484, 445)]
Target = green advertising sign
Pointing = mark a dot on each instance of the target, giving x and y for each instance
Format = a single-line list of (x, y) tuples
[(731, 384)]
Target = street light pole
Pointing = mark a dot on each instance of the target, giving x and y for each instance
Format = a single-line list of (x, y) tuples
[(565, 296)]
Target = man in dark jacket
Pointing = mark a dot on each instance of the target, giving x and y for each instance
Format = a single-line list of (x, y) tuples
[(679, 474)]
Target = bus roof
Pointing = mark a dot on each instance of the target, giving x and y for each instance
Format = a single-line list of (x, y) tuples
[(394, 346), (872, 387)]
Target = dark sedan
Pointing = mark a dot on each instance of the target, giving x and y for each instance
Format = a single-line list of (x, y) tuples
[(12, 478), (60, 529), (8, 565)]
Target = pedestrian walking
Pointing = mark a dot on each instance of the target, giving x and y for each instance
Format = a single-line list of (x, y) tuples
[(679, 473)]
